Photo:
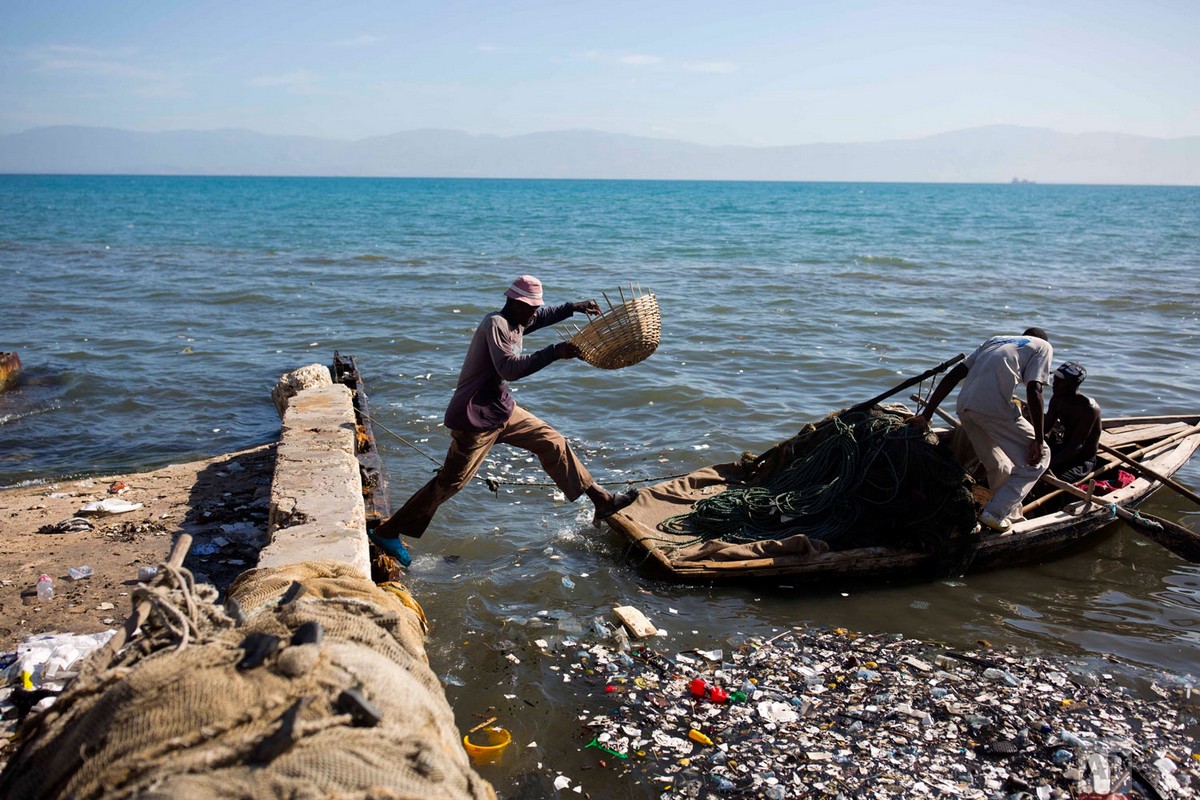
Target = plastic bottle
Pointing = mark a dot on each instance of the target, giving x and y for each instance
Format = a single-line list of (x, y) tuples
[(45, 588), (721, 784), (697, 736), (1001, 675), (1101, 775), (1070, 739)]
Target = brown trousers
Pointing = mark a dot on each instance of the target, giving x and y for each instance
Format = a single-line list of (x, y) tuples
[(468, 449)]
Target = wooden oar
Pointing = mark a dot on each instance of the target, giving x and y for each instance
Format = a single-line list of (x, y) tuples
[(141, 611), (1110, 462), (1158, 476), (1176, 538), (929, 373)]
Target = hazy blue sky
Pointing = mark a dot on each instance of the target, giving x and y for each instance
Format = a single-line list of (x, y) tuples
[(757, 73)]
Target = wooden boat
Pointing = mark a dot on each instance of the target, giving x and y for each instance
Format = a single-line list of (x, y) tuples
[(10, 365), (1053, 523)]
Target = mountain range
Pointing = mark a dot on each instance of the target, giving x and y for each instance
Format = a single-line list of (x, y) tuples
[(990, 154)]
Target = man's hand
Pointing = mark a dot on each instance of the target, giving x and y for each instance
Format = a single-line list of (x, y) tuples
[(917, 421), (589, 307), (1035, 452), (567, 350)]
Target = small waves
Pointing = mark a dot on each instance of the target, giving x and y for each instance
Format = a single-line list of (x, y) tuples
[(362, 258), (889, 261), (780, 303), (6, 419)]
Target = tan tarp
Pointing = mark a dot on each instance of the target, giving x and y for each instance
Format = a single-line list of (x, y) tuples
[(641, 519), (339, 703)]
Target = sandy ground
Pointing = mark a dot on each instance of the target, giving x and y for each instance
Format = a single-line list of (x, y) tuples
[(222, 502)]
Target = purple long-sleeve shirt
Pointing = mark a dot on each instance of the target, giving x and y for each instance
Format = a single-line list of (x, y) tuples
[(481, 401)]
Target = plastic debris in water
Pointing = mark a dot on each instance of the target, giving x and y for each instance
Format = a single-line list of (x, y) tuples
[(595, 742), (924, 719), (1004, 676)]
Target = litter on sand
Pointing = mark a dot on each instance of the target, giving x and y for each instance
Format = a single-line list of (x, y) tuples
[(109, 505), (71, 525)]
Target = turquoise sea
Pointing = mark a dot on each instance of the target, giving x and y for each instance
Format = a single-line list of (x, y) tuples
[(154, 314)]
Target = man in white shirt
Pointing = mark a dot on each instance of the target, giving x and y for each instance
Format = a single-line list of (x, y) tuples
[(1011, 448)]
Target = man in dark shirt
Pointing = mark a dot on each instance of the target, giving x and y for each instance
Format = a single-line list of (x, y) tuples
[(1072, 425), (482, 413)]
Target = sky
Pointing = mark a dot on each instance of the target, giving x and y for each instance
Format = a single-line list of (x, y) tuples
[(714, 73)]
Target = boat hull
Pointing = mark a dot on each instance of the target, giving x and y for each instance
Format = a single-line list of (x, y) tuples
[(10, 365), (1032, 540)]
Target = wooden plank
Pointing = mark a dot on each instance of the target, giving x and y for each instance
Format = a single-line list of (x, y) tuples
[(635, 621), (1139, 433), (376, 503), (1119, 422)]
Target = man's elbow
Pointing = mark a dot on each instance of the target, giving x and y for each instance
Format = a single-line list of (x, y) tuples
[(510, 375)]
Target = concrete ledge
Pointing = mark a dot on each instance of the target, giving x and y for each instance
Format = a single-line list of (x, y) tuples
[(317, 510)]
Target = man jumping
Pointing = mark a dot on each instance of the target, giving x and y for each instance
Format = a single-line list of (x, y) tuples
[(482, 413)]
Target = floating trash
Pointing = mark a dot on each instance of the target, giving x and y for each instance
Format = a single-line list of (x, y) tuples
[(820, 713), (486, 746)]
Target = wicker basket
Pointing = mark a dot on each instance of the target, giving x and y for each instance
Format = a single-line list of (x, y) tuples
[(623, 335)]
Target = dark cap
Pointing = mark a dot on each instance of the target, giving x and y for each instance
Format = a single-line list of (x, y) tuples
[(1072, 372)]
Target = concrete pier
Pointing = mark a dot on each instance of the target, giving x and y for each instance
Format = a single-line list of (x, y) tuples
[(317, 510)]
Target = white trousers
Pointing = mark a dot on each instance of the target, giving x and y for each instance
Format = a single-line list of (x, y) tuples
[(1002, 445)]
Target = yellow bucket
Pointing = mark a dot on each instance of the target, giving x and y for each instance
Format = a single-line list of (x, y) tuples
[(487, 753)]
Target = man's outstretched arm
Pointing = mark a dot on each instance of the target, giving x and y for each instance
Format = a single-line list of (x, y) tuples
[(940, 392)]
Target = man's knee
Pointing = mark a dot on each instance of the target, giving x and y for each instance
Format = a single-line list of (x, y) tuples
[(451, 482), (551, 443)]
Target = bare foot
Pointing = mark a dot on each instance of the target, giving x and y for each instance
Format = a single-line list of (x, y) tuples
[(615, 503)]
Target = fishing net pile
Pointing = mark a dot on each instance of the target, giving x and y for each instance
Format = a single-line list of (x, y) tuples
[(314, 683), (858, 478)]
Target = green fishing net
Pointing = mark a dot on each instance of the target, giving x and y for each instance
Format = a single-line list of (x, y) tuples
[(858, 478)]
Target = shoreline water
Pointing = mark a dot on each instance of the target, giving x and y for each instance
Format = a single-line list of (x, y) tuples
[(819, 708), (154, 315)]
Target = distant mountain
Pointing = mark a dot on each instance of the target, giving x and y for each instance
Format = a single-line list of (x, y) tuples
[(993, 154)]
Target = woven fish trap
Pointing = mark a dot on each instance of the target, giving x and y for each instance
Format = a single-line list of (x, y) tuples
[(623, 335)]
